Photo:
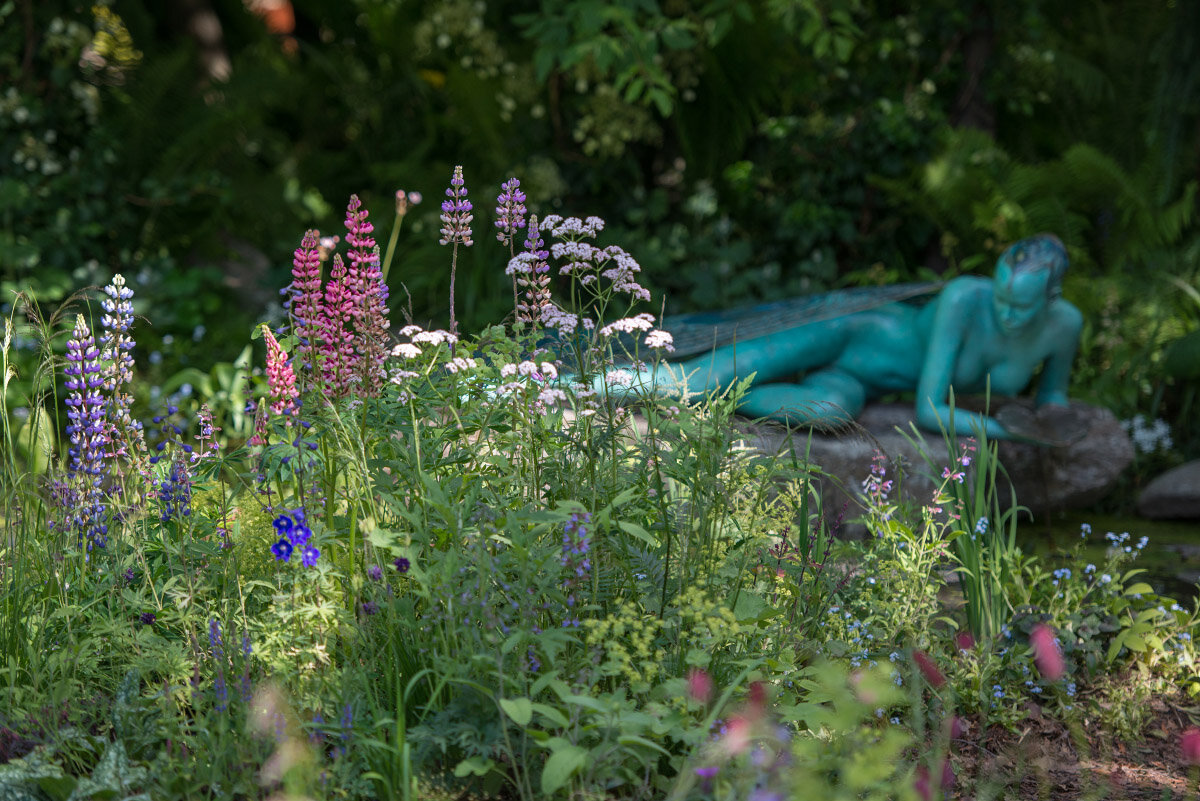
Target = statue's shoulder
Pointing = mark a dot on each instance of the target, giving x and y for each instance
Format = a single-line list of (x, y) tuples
[(1067, 315), (967, 288)]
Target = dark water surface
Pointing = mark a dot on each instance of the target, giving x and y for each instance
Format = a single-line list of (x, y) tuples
[(1171, 559)]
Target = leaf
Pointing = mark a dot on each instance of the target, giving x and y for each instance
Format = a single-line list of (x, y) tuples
[(474, 766), (519, 709), (561, 766), (1141, 588), (552, 714), (36, 441), (637, 531)]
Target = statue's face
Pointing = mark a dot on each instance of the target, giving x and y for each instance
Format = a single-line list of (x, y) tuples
[(1020, 298)]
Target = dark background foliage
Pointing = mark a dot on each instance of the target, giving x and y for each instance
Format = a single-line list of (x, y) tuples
[(742, 150)]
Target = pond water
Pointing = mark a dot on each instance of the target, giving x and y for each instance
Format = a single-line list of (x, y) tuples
[(1171, 559)]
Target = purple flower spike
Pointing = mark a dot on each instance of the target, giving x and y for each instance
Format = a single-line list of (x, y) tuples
[(456, 229), (369, 294), (306, 286), (375, 573), (88, 434), (510, 209), (456, 212)]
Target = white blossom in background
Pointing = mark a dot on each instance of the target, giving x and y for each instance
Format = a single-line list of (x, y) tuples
[(1149, 437)]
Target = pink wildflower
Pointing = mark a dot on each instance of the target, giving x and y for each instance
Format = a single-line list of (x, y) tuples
[(929, 670), (368, 297), (737, 736), (1046, 656), (964, 641), (1189, 743), (306, 301), (700, 685), (338, 360), (922, 785), (281, 379)]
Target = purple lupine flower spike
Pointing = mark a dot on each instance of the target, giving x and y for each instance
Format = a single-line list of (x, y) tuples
[(531, 270), (339, 361), (510, 211), (456, 229), (456, 212), (87, 432), (306, 308), (369, 294), (124, 432)]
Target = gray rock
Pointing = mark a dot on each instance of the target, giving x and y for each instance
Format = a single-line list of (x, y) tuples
[(1045, 478), (1174, 494)]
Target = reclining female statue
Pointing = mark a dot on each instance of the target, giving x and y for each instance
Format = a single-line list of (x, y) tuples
[(973, 333)]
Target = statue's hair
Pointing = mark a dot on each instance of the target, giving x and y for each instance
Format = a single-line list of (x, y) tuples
[(1037, 253)]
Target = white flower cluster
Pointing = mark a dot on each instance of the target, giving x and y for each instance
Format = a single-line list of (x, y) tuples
[(1149, 437), (544, 371), (627, 325), (572, 226), (564, 321), (660, 339)]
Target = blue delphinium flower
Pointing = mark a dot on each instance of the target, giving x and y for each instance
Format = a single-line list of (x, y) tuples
[(282, 550), (575, 547), (401, 564), (309, 556)]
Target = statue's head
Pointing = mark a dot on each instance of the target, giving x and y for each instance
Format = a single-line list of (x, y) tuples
[(1028, 279)]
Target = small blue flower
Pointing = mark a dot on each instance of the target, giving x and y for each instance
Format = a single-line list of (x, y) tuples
[(981, 525), (300, 535), (310, 556), (998, 691), (282, 550)]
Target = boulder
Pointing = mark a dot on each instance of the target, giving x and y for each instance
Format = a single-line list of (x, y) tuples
[(1174, 494), (1046, 478)]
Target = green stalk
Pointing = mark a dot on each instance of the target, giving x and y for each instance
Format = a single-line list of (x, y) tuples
[(391, 246)]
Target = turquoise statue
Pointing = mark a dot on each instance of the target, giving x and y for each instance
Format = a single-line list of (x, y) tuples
[(972, 336)]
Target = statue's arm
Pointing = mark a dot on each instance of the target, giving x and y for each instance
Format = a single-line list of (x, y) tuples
[(1056, 374), (957, 307)]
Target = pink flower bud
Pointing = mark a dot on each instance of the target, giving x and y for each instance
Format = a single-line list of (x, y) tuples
[(699, 685), (964, 641), (929, 670), (947, 776), (1189, 742), (921, 784), (737, 736), (1046, 655)]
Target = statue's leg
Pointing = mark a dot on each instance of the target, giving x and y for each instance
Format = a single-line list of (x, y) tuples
[(826, 396), (768, 358)]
